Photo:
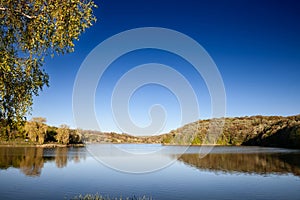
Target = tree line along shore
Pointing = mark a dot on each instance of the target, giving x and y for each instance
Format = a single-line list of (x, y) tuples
[(273, 131), (37, 133)]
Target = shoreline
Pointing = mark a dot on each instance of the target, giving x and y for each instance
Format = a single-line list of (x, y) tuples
[(54, 145), (40, 145)]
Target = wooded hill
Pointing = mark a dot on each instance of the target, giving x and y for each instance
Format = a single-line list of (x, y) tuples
[(275, 131)]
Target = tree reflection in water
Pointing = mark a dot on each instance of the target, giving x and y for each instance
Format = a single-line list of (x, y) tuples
[(30, 160), (61, 157), (259, 163)]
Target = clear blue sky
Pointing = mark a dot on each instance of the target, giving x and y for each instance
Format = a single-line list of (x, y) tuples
[(255, 45)]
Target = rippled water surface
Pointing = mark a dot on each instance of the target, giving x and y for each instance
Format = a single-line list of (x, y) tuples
[(184, 173)]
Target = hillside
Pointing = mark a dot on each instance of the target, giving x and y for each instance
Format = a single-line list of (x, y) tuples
[(273, 131), (90, 136)]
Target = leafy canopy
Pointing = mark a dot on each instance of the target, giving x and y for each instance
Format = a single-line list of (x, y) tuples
[(36, 129), (29, 31)]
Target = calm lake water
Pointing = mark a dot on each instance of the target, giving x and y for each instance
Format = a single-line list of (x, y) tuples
[(225, 173)]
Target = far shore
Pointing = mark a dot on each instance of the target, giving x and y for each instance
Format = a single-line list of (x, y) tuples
[(50, 145), (55, 145)]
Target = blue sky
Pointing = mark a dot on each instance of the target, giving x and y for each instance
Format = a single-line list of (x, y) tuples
[(255, 45)]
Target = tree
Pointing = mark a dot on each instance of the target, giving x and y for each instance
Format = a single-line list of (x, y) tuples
[(75, 136), (36, 129), (63, 134), (29, 31)]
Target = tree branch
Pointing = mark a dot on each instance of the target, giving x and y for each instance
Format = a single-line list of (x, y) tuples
[(28, 16), (20, 12)]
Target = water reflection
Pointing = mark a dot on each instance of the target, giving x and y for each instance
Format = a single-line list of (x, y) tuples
[(31, 160), (61, 157), (258, 163)]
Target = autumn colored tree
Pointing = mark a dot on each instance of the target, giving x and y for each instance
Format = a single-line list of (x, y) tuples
[(63, 134), (36, 129), (30, 30)]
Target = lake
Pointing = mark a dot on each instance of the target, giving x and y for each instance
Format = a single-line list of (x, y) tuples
[(156, 171)]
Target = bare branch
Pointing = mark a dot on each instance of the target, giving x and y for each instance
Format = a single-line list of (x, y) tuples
[(28, 16), (20, 12)]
